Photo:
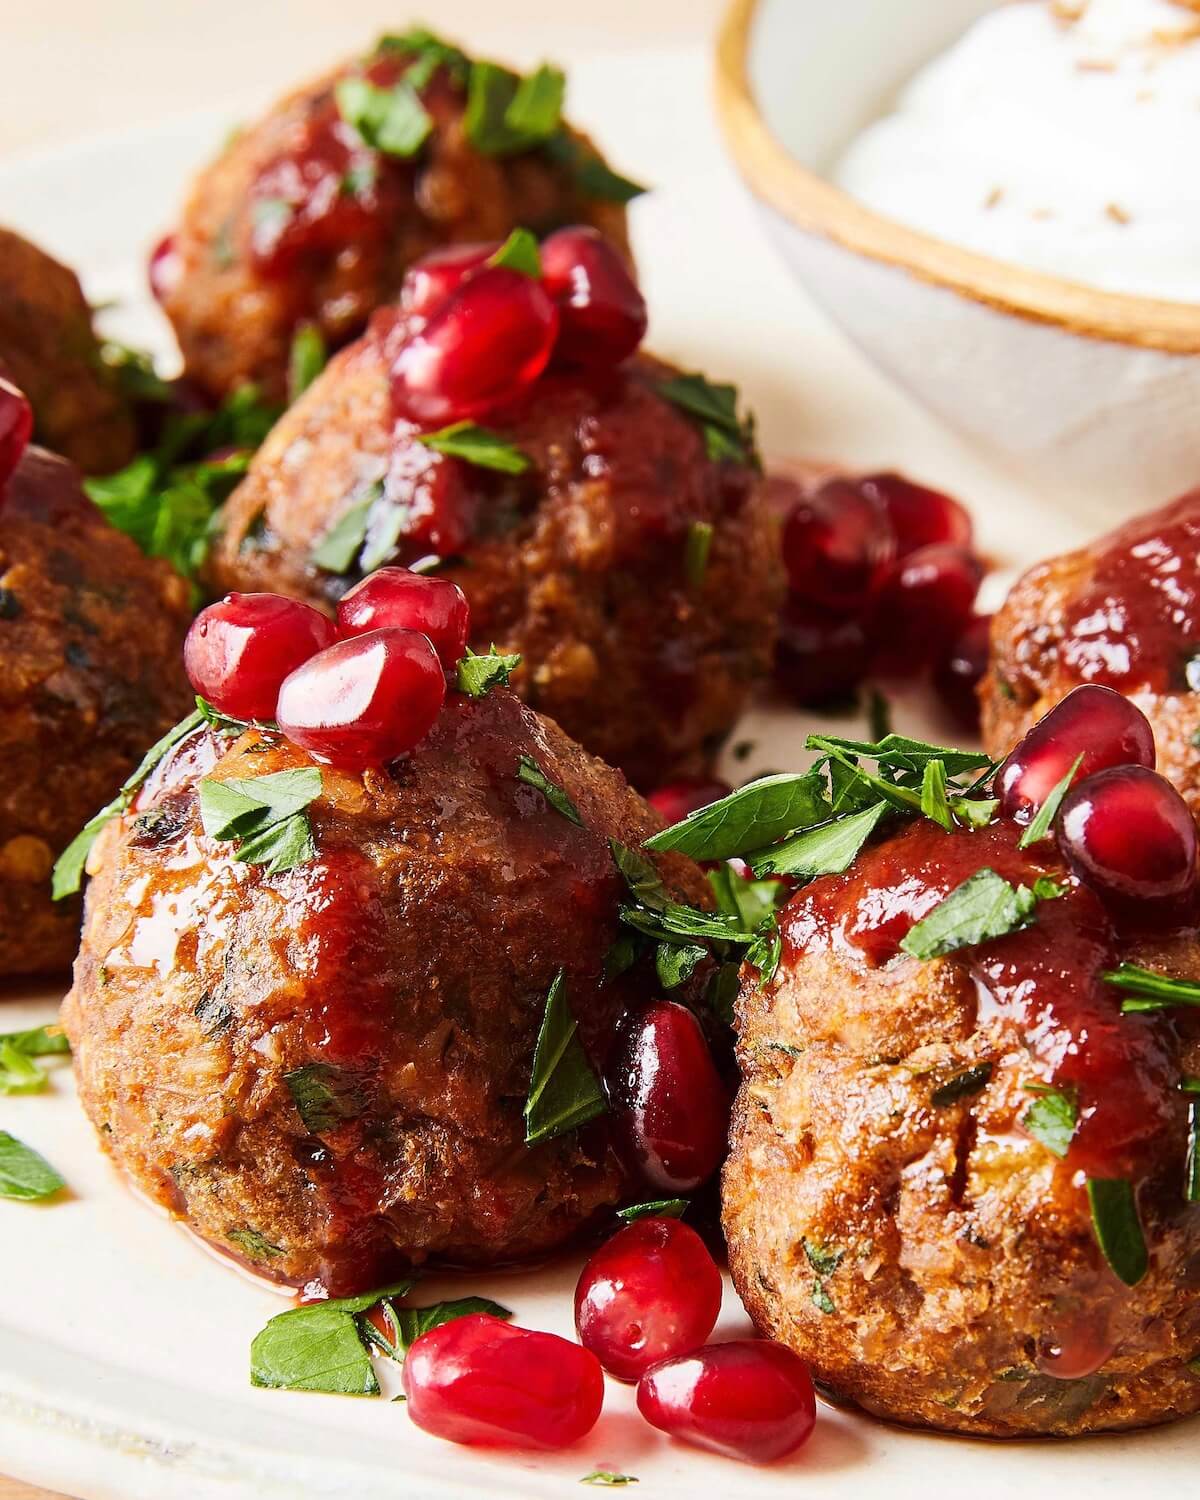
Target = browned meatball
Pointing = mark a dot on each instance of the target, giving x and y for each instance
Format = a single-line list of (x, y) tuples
[(47, 347), (301, 220), (581, 563), (893, 1211), (90, 636), (1123, 612), (323, 1071)]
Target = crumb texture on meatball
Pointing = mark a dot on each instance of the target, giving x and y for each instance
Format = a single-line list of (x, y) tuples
[(889, 1216), (1123, 612), (90, 640), (323, 1071)]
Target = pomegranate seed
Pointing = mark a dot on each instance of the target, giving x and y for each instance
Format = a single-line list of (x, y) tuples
[(430, 280), (1106, 727), (669, 1098), (602, 315), (409, 601), (239, 650), (484, 346), (820, 656), (16, 427), (652, 1292), (747, 1399), (481, 1381), (1128, 834), (673, 803), (920, 517), (165, 268), (837, 544), (364, 700), (925, 601), (958, 675)]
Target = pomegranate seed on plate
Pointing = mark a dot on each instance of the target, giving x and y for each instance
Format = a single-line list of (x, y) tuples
[(837, 544), (652, 1292), (481, 1381), (926, 600), (675, 801), (430, 280), (165, 268), (16, 427), (820, 656), (668, 1097), (410, 601), (747, 1399), (239, 650), (1128, 834), (1107, 728), (602, 315), (364, 700), (483, 346), (958, 674), (920, 517)]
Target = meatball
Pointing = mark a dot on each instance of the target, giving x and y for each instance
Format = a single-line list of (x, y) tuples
[(581, 563), (90, 636), (1124, 612), (302, 220), (894, 1212), (323, 1071), (48, 348)]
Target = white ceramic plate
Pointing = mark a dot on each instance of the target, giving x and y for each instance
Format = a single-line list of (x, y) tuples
[(123, 1347)]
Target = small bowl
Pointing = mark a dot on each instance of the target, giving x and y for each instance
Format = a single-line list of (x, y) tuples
[(1092, 396)]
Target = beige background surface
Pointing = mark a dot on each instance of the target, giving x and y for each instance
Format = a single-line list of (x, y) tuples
[(74, 67)]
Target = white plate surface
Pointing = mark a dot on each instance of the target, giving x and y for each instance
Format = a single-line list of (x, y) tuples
[(124, 1347)]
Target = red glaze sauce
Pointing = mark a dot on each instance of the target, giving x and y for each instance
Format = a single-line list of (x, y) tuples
[(1043, 982), (1137, 624)]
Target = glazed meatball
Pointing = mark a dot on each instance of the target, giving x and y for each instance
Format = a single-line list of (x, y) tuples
[(48, 348), (90, 636), (1123, 612), (301, 219), (896, 1216), (581, 563), (323, 1071)]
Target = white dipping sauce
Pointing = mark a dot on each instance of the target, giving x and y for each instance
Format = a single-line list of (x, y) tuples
[(1064, 137)]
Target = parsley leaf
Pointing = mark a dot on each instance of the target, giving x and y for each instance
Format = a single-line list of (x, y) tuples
[(265, 815), (430, 53), (755, 815), (659, 1208), (392, 120), (563, 1090), (409, 1323), (962, 1086), (19, 1074), (695, 553), (824, 1259), (715, 407), (532, 774), (319, 1347), (593, 177), (536, 108), (821, 1299), (934, 802), (506, 113), (749, 901), (1039, 828), (479, 674), (38, 1041), (24, 1175), (984, 906), (898, 752), (827, 849), (675, 963), (656, 915), (519, 252), (1117, 1228), (1052, 1117), (68, 868), (306, 359), (324, 1096), (344, 540), (476, 445), (1151, 991)]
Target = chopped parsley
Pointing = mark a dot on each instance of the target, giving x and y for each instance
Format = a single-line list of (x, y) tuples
[(824, 1259), (324, 1096), (519, 252), (821, 1299), (19, 1074), (564, 1092), (532, 775), (827, 849), (265, 815), (1052, 1117), (962, 1086), (38, 1041), (1149, 991), (24, 1175), (1039, 828), (696, 549), (593, 177), (983, 907), (477, 675), (320, 1347), (341, 544), (392, 120), (1118, 1228), (306, 359), (406, 1324), (714, 406), (756, 814), (675, 963), (477, 445), (660, 1208), (506, 113)]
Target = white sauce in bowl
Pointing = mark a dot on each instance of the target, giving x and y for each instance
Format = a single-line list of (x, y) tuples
[(1060, 135)]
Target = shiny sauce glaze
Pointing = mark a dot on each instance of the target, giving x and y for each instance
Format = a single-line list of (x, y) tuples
[(1043, 982), (1137, 623)]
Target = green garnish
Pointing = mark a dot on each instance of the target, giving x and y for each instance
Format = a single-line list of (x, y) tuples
[(824, 1259), (756, 814), (821, 1299), (24, 1175), (306, 359), (934, 802), (660, 1208), (714, 406), (695, 553), (675, 963), (344, 540), (983, 907), (19, 1074), (324, 1096), (827, 849), (320, 1347), (1117, 1228), (265, 815), (38, 1041), (519, 252), (1052, 1117), (407, 1324), (506, 113), (253, 1244), (962, 1085), (68, 868), (593, 176), (532, 774), (429, 52), (608, 1477), (1039, 828), (1192, 1166), (1151, 991), (563, 1090), (478, 446), (392, 120), (477, 675), (749, 902)]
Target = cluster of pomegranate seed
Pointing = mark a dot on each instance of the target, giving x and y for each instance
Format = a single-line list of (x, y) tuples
[(645, 1305), (1122, 828), (356, 691), (882, 581), (16, 427), (476, 335)]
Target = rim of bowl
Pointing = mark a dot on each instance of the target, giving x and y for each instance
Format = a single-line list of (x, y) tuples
[(811, 202)]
